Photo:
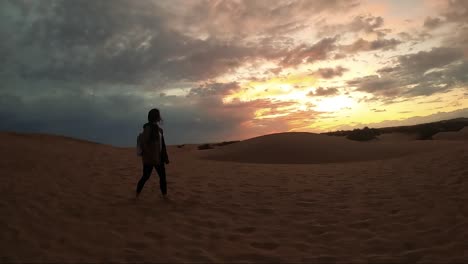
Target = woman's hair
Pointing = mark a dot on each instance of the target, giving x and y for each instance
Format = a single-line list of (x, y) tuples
[(154, 116)]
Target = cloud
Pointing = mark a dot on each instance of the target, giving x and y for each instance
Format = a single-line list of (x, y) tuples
[(379, 86), (214, 89), (432, 22), (367, 24), (319, 51), (236, 19), (114, 118), (456, 11), (76, 114), (419, 74), (415, 37), (425, 60), (92, 69), (387, 70), (324, 92), (147, 45), (86, 68), (329, 73), (409, 121), (361, 45), (458, 72), (113, 45)]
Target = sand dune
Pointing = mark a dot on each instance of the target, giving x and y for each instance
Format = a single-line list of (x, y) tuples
[(65, 200), (456, 135), (303, 148), (398, 137)]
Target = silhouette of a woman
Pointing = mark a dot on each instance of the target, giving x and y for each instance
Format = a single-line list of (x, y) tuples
[(153, 151)]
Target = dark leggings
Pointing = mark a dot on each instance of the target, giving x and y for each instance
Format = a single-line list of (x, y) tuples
[(147, 169)]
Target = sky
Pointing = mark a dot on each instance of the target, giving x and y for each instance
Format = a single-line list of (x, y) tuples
[(229, 69)]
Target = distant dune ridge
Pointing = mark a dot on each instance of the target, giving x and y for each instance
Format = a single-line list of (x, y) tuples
[(456, 135), (424, 131), (383, 201), (301, 147)]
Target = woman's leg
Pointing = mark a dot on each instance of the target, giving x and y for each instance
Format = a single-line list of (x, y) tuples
[(162, 178), (147, 169)]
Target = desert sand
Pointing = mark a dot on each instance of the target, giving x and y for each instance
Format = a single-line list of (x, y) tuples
[(455, 135), (290, 198)]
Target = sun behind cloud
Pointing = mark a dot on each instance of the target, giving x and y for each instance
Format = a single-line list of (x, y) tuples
[(335, 103), (293, 87)]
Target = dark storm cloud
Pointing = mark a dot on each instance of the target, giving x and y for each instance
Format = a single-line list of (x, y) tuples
[(418, 74), (112, 120), (225, 18), (86, 68), (118, 42), (93, 68), (425, 60), (118, 119), (329, 73), (135, 41), (81, 40), (455, 75)]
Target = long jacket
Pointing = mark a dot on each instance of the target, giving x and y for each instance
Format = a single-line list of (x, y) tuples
[(153, 147)]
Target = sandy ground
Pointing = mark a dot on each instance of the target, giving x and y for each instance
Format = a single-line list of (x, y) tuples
[(456, 135), (65, 200)]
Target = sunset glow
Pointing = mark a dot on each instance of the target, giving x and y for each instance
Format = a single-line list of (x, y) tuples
[(232, 69)]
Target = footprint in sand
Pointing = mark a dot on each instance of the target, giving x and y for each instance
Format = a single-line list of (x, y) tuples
[(265, 245), (133, 257), (137, 245), (342, 207), (264, 211), (154, 235), (301, 247), (324, 259), (215, 236), (364, 224), (245, 230), (255, 258), (233, 237), (305, 203), (204, 223), (394, 211)]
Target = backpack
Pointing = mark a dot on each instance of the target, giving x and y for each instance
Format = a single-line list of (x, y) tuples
[(139, 150)]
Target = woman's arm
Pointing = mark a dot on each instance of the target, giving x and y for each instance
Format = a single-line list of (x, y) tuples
[(164, 150)]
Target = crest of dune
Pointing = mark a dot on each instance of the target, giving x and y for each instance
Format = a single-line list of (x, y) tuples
[(303, 148), (456, 135)]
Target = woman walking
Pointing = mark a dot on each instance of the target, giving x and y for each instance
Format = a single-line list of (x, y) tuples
[(152, 149)]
